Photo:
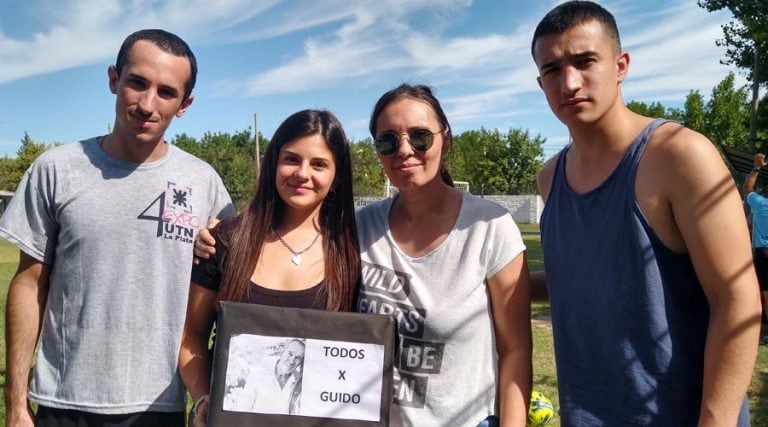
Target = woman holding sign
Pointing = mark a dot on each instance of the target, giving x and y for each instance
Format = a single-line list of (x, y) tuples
[(295, 245), (451, 268)]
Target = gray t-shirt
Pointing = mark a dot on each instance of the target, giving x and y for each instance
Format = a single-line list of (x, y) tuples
[(446, 363), (119, 238)]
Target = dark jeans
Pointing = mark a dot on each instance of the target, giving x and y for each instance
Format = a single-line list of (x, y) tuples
[(491, 421), (53, 417)]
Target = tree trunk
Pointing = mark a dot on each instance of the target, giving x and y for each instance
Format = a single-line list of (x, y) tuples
[(755, 100)]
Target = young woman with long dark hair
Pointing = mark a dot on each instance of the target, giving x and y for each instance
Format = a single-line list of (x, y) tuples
[(295, 245)]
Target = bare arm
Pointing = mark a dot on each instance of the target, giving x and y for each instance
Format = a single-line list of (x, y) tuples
[(749, 183), (544, 179), (194, 359), (27, 295), (511, 306), (706, 207)]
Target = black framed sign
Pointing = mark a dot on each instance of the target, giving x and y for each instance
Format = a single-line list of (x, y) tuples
[(300, 367)]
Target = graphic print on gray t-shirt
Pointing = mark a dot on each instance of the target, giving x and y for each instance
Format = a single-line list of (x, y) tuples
[(172, 210)]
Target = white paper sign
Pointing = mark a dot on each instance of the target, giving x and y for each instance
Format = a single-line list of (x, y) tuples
[(306, 377)]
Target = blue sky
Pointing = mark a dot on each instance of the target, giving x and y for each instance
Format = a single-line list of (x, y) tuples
[(274, 57)]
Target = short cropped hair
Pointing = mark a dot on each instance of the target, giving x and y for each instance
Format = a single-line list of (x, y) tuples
[(573, 13), (166, 41)]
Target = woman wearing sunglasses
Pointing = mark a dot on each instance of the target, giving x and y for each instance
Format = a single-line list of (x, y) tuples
[(295, 245), (451, 268)]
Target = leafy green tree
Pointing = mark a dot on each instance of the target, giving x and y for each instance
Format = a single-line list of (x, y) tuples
[(231, 155), (496, 163), (479, 157), (367, 175), (525, 154), (655, 109), (762, 126), (748, 30), (11, 170), (746, 41), (694, 115), (727, 115), (7, 174)]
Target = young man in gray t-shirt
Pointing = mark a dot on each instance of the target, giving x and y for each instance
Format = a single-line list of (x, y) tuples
[(105, 227)]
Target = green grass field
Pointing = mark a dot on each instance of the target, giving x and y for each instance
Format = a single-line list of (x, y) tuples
[(9, 260), (544, 377)]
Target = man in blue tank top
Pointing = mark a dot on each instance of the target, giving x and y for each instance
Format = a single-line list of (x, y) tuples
[(654, 297)]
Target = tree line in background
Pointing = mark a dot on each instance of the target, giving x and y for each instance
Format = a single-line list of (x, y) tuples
[(491, 161), (724, 118)]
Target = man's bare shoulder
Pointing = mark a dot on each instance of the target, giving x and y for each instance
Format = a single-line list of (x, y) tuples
[(546, 174), (677, 176), (680, 151)]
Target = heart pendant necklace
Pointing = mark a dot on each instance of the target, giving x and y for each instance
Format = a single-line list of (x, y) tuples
[(296, 255)]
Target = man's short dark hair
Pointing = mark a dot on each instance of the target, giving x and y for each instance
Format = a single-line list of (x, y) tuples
[(166, 41), (573, 13)]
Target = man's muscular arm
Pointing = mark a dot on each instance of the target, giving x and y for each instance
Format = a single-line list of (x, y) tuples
[(27, 295), (707, 210)]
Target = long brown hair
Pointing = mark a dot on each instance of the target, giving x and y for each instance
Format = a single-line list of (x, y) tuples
[(245, 235)]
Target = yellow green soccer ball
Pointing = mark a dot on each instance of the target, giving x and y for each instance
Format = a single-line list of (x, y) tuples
[(541, 411)]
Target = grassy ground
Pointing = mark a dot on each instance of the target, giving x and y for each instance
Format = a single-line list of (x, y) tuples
[(544, 360), (9, 260)]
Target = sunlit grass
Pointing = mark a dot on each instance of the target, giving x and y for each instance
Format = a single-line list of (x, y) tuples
[(544, 377)]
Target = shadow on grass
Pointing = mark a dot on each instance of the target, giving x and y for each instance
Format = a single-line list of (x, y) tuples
[(547, 380)]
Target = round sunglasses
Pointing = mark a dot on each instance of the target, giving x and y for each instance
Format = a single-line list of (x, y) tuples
[(420, 139)]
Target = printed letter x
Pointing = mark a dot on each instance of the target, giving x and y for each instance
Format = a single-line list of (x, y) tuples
[(341, 375)]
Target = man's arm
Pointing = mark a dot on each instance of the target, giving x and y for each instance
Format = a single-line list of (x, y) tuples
[(749, 183), (544, 179), (511, 309), (27, 295), (706, 207)]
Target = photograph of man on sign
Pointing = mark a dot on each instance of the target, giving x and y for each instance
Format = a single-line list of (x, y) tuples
[(264, 375)]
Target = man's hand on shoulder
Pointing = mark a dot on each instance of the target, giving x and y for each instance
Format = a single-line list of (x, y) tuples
[(205, 243)]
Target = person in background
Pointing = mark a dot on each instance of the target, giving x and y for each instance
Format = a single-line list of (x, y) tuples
[(451, 268), (758, 205), (105, 229), (294, 246), (654, 299)]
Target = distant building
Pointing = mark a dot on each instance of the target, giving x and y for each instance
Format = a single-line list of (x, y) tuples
[(5, 198)]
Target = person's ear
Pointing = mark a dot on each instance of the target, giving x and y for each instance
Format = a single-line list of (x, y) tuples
[(113, 78), (447, 142), (622, 66), (185, 104)]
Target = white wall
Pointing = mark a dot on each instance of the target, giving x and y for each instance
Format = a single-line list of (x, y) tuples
[(525, 209)]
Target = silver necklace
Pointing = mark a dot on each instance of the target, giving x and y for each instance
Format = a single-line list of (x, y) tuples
[(296, 256)]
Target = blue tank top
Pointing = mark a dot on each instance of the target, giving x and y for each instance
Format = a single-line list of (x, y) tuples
[(629, 316)]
